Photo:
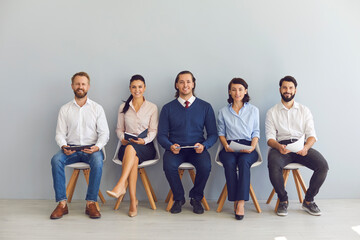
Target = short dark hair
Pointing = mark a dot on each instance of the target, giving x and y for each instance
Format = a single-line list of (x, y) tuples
[(177, 79), (81, 74), (288, 79), (242, 82)]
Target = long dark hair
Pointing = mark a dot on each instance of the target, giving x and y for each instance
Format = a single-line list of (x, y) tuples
[(177, 79), (127, 102), (242, 82)]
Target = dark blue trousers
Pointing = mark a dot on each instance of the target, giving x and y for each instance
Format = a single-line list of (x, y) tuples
[(237, 173), (202, 164)]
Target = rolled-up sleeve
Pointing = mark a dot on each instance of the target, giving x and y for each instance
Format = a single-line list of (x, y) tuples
[(221, 124), (309, 124), (61, 129), (256, 126), (102, 129), (270, 130)]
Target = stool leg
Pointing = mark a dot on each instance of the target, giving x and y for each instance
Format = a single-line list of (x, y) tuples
[(300, 179), (203, 201), (72, 184), (222, 198), (151, 188), (286, 173), (147, 188), (222, 192), (255, 201), (297, 184)]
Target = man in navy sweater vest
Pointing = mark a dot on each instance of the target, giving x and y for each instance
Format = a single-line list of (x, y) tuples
[(181, 134)]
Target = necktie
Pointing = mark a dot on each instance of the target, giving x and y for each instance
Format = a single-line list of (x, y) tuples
[(187, 104)]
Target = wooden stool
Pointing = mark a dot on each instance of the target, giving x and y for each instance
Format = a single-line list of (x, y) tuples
[(294, 167)]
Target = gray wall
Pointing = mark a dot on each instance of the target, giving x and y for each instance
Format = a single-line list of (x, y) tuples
[(43, 43)]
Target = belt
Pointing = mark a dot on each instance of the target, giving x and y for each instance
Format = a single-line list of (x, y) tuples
[(285, 142)]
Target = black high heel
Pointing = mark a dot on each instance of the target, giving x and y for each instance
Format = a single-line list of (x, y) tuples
[(238, 217)]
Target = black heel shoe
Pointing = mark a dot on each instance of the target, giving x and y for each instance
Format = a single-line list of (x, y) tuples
[(238, 217)]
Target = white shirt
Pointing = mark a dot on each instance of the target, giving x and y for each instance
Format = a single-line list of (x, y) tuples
[(136, 122), (182, 101), (82, 125), (285, 124)]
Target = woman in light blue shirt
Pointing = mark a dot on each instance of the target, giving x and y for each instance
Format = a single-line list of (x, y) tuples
[(238, 122)]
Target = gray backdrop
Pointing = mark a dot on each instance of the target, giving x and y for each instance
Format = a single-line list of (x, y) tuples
[(43, 43)]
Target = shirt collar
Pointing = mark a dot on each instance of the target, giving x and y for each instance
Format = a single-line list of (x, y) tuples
[(281, 106), (88, 101), (191, 100), (233, 111), (132, 106)]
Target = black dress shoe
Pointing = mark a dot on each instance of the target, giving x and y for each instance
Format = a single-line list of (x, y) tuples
[(197, 207), (176, 208), (239, 217)]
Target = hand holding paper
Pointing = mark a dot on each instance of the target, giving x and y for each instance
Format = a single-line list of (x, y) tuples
[(296, 146)]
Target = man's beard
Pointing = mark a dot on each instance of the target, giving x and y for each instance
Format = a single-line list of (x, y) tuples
[(287, 99), (79, 94)]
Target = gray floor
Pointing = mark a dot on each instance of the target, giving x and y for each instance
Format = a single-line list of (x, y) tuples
[(29, 219)]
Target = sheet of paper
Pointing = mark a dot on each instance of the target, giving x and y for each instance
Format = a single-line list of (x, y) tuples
[(296, 146), (238, 146)]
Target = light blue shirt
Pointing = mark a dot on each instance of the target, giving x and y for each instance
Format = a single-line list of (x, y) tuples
[(244, 125)]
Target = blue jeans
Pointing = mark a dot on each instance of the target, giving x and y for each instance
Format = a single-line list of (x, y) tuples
[(60, 160)]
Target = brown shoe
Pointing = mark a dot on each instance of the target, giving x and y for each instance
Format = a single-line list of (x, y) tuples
[(92, 211), (59, 211)]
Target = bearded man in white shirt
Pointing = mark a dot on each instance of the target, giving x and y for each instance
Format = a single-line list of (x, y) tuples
[(285, 123), (81, 122)]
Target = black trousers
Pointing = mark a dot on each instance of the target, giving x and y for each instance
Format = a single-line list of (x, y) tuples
[(313, 160)]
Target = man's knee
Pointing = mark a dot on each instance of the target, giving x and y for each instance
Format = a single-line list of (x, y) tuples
[(56, 160), (97, 160)]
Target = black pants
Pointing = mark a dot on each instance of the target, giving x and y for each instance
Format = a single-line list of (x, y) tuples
[(313, 160)]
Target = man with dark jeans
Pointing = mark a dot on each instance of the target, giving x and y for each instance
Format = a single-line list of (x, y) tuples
[(285, 123), (181, 134)]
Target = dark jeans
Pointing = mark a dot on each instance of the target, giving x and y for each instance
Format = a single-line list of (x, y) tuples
[(237, 173), (313, 160), (202, 164)]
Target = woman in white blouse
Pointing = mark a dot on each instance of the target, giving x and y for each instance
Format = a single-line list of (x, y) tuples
[(138, 117)]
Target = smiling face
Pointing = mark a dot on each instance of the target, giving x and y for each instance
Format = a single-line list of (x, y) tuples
[(237, 92), (80, 86), (185, 85), (137, 88), (287, 91)]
